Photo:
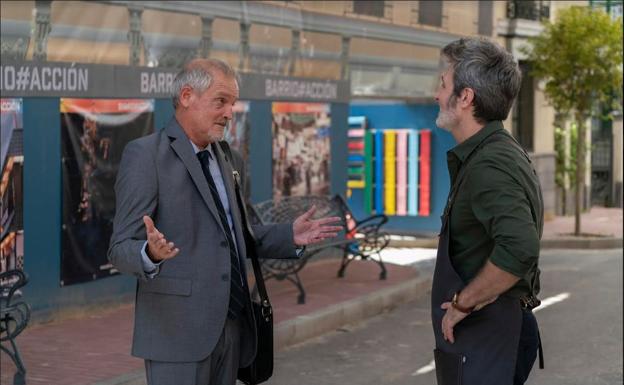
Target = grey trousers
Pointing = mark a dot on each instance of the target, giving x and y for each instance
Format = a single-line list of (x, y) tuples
[(219, 368)]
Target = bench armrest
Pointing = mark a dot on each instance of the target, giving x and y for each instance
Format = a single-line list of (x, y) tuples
[(10, 282)]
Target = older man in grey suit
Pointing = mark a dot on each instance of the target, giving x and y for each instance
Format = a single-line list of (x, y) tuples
[(178, 229)]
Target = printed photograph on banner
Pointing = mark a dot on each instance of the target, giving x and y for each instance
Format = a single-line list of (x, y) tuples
[(11, 186), (237, 134), (301, 149), (94, 133)]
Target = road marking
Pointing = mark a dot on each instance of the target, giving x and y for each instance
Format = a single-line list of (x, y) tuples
[(551, 301), (545, 303), (425, 369)]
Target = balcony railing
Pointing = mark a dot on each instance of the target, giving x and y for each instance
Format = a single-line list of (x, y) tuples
[(529, 10)]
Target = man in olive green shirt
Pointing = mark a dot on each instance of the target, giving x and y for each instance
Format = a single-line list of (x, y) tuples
[(498, 213), (489, 245)]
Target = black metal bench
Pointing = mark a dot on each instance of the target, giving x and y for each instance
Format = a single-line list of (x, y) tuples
[(368, 238), (14, 317), (359, 240)]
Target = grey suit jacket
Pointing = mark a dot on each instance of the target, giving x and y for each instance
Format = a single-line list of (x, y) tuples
[(180, 313)]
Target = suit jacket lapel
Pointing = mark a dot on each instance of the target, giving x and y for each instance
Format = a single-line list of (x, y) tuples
[(228, 179), (181, 145)]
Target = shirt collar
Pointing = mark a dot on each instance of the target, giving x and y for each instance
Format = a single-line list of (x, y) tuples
[(464, 149), (198, 150)]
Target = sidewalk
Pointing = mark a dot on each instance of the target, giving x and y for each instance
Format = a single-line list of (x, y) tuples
[(96, 349), (601, 228)]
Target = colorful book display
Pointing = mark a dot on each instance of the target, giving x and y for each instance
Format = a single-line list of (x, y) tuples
[(392, 167)]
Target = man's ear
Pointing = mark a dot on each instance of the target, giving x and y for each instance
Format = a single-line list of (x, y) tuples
[(186, 94), (466, 97)]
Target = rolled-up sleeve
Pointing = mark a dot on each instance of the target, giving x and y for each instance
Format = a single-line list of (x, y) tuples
[(501, 205)]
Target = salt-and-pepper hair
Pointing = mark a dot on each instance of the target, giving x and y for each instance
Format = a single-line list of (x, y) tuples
[(198, 74), (489, 70)]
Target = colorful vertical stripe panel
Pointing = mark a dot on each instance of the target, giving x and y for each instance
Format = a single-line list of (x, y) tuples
[(390, 172), (401, 162), (368, 173), (356, 159), (379, 177), (412, 201), (425, 172), (396, 164)]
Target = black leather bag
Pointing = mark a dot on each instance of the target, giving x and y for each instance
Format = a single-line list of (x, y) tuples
[(261, 368)]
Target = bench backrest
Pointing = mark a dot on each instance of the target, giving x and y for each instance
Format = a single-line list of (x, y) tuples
[(289, 208)]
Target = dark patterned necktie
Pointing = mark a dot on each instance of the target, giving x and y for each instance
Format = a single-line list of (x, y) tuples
[(237, 291)]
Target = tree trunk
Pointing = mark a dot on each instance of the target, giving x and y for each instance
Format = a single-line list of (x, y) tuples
[(580, 172)]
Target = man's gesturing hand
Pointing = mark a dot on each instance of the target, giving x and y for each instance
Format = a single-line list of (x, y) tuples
[(307, 231), (158, 249)]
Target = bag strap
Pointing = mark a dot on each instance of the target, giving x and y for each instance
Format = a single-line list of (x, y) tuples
[(248, 233)]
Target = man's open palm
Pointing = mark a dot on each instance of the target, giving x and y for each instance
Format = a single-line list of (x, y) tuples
[(158, 247), (307, 231)]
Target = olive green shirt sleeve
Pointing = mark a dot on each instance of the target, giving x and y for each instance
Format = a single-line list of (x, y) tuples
[(500, 204)]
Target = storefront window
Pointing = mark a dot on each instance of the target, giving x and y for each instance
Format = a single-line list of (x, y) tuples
[(16, 25), (87, 32), (170, 39)]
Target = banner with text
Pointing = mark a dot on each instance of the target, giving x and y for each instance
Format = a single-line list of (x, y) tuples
[(79, 80)]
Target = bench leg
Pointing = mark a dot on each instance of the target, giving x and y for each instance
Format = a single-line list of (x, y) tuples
[(346, 260), (301, 298), (383, 274), (20, 376), (293, 277)]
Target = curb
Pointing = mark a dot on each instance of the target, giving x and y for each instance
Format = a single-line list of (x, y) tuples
[(426, 243), (302, 328), (547, 243), (133, 378), (581, 243)]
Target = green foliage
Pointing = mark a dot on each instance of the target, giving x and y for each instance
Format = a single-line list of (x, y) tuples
[(580, 58), (561, 170)]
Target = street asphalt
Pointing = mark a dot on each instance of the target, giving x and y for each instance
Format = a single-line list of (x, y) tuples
[(581, 326), (580, 320)]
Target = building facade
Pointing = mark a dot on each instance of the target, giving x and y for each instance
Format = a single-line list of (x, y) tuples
[(386, 52)]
